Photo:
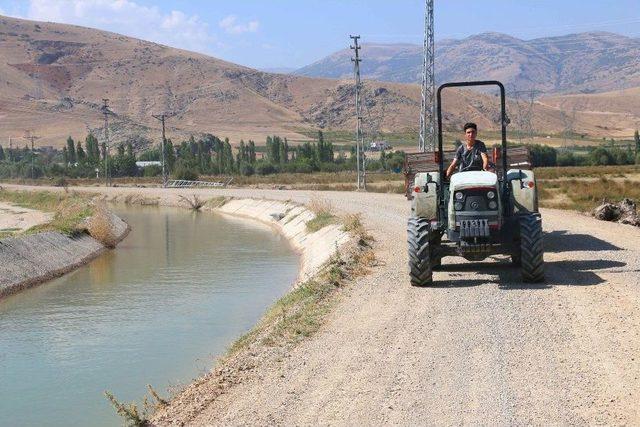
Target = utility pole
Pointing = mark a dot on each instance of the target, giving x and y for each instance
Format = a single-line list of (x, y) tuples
[(106, 112), (31, 137), (360, 156), (162, 118), (427, 108)]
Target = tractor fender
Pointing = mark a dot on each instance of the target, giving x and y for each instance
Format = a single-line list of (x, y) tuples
[(425, 201), (524, 190)]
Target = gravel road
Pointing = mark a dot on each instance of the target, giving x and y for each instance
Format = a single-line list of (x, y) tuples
[(480, 347)]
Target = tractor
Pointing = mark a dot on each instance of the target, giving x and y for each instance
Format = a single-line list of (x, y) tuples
[(475, 214)]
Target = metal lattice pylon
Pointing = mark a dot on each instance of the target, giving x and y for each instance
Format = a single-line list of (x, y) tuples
[(427, 108)]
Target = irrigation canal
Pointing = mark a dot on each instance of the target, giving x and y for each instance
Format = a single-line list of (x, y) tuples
[(157, 310)]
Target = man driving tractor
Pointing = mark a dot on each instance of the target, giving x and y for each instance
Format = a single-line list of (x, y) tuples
[(471, 156)]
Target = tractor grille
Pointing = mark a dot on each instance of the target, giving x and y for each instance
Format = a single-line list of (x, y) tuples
[(474, 228)]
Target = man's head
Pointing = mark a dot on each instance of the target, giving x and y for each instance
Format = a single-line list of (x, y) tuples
[(470, 132)]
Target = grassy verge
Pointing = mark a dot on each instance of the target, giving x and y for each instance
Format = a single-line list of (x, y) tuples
[(324, 215), (297, 315), (69, 209), (301, 312)]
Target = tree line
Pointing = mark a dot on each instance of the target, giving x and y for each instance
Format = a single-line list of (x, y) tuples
[(603, 155), (209, 155)]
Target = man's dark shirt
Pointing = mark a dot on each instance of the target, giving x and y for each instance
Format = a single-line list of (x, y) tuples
[(470, 160)]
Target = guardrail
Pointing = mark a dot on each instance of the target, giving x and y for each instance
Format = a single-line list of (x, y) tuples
[(183, 183)]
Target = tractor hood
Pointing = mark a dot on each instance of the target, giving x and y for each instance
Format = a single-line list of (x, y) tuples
[(462, 180)]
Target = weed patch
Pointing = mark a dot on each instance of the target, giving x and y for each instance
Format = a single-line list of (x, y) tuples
[(131, 414), (320, 221), (69, 209), (324, 214)]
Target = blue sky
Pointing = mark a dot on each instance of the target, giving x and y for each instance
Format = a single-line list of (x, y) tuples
[(287, 33)]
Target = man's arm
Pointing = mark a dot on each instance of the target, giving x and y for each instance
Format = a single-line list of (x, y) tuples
[(451, 167), (483, 154), (485, 161)]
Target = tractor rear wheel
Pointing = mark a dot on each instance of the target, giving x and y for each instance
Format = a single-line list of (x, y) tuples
[(531, 249), (420, 263)]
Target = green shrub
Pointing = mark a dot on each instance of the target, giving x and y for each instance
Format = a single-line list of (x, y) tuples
[(246, 169), (183, 171), (152, 170), (265, 168)]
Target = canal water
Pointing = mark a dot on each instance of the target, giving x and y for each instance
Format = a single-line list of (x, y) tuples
[(157, 310)]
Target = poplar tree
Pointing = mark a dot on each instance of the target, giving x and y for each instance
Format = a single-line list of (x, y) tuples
[(252, 152), (80, 154), (169, 155), (71, 149), (92, 149)]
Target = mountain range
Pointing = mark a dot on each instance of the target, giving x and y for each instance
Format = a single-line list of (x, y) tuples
[(576, 63), (54, 77)]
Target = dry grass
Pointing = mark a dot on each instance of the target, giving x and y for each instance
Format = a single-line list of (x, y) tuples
[(100, 225), (354, 226), (585, 171), (584, 195), (193, 202), (131, 415), (301, 312), (137, 199), (324, 214), (69, 209)]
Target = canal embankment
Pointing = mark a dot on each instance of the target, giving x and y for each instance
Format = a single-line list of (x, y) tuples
[(61, 242), (334, 248), (291, 220)]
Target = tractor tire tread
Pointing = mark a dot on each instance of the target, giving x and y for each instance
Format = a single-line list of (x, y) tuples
[(531, 248)]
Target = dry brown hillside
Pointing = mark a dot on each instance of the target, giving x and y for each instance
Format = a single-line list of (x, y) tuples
[(53, 78)]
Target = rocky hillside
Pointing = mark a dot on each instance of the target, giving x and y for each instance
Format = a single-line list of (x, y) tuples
[(576, 63), (53, 78)]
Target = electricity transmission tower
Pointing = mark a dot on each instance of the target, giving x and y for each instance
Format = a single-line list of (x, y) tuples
[(360, 155), (525, 100), (31, 137), (427, 108), (162, 118), (106, 112)]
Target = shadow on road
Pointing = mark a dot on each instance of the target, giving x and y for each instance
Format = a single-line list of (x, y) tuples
[(563, 241), (507, 276)]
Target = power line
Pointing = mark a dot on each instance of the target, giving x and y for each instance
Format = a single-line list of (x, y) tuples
[(360, 156)]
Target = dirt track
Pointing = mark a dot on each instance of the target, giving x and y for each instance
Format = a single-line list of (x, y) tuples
[(478, 348)]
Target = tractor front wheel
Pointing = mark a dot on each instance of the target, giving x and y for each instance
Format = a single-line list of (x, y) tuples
[(531, 250), (420, 263)]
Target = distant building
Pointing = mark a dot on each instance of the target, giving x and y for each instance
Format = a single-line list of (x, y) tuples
[(379, 146), (143, 165)]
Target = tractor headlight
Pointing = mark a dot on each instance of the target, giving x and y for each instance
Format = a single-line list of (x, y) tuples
[(493, 204), (458, 206), (459, 195), (491, 194)]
